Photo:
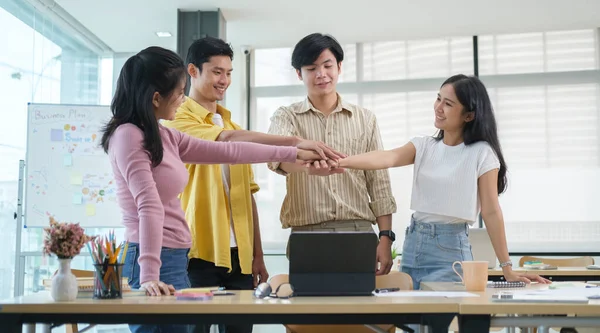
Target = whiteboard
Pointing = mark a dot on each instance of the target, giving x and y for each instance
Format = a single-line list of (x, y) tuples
[(67, 174)]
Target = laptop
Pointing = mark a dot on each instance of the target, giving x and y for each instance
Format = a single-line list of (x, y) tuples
[(331, 263), (481, 246)]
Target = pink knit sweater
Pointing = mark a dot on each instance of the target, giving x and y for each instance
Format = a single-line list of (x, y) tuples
[(148, 197)]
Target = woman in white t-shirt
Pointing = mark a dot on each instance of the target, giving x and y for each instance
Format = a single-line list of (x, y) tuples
[(457, 173)]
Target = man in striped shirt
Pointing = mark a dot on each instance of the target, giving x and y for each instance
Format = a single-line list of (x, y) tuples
[(322, 197)]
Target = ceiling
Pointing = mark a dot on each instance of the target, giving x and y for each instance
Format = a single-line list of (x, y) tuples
[(130, 25)]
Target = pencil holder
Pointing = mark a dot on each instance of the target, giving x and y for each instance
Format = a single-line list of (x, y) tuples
[(107, 281)]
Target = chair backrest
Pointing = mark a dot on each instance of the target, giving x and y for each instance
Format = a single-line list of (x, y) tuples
[(80, 273), (277, 280), (560, 262), (394, 279)]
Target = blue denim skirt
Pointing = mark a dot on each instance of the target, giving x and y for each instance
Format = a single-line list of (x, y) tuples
[(173, 270), (430, 249)]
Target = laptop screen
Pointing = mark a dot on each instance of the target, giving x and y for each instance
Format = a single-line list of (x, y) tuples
[(333, 252), (333, 263)]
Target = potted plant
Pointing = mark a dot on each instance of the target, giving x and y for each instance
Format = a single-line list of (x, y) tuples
[(395, 255), (64, 240)]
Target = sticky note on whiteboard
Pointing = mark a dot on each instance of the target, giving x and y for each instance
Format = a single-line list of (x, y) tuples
[(56, 135), (76, 179), (90, 209), (68, 160), (77, 198)]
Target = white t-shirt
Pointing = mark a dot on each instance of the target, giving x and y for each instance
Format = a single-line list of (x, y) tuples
[(218, 120), (445, 180)]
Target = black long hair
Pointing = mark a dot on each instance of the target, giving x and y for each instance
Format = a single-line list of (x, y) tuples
[(153, 69), (472, 94)]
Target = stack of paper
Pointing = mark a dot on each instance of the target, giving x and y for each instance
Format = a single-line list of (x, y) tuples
[(566, 294), (448, 294)]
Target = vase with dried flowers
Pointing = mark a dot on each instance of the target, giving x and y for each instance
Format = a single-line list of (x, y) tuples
[(64, 240)]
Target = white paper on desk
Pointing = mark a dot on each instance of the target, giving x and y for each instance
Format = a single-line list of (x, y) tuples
[(448, 294), (572, 292), (543, 298)]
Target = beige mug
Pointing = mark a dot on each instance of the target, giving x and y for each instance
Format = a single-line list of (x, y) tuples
[(475, 274)]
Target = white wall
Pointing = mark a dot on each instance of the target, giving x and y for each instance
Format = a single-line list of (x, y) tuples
[(235, 99), (118, 62)]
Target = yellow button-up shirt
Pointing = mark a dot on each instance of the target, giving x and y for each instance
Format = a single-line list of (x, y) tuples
[(204, 199)]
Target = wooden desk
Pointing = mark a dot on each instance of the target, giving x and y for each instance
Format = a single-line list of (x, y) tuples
[(479, 310), (559, 274), (240, 308)]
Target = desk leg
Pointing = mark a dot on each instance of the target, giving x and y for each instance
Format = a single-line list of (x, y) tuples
[(474, 323), (511, 329), (11, 323), (437, 323)]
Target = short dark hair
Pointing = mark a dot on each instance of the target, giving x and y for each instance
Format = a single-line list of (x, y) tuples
[(204, 48), (310, 48), (153, 69)]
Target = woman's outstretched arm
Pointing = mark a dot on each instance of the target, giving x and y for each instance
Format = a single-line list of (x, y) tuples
[(381, 159), (198, 151)]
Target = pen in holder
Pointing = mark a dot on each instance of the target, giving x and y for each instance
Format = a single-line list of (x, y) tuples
[(108, 263), (107, 281)]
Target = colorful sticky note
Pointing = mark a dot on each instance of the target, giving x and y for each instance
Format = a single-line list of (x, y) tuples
[(76, 179), (77, 198), (56, 135), (68, 160), (90, 210)]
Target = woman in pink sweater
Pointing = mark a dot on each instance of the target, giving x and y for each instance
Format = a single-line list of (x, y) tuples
[(148, 165)]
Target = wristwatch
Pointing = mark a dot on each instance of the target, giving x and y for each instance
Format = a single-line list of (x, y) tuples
[(504, 264), (388, 233)]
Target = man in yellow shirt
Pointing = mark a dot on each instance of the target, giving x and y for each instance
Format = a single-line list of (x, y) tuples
[(218, 201)]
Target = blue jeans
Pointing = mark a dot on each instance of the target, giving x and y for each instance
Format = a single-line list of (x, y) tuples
[(430, 249), (173, 270)]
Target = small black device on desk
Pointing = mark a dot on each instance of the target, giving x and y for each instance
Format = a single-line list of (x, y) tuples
[(386, 290)]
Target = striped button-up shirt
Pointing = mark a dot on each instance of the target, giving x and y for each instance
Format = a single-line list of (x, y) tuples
[(352, 195)]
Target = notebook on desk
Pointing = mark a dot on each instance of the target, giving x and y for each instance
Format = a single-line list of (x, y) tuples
[(529, 298), (561, 293)]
